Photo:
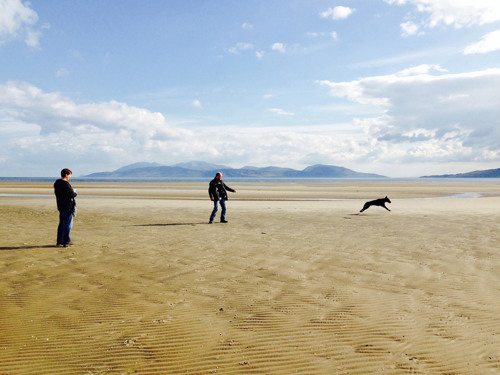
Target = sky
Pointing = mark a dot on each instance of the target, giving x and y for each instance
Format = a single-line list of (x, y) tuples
[(402, 88)]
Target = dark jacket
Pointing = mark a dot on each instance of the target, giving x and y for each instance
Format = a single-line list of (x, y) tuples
[(217, 190), (65, 195)]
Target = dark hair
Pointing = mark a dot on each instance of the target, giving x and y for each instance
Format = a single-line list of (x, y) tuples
[(218, 174), (65, 172)]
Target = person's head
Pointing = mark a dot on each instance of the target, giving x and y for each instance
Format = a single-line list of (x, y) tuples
[(218, 175), (66, 174)]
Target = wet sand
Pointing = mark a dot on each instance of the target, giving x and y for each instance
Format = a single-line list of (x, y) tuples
[(298, 281)]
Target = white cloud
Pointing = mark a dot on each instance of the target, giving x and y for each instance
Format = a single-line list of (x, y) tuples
[(196, 104), (281, 112), (260, 54), (280, 47), (409, 28), (332, 34), (241, 47), (420, 69), (337, 13), (247, 26), (489, 43), (456, 13), (32, 38), (63, 72), (16, 21), (435, 117)]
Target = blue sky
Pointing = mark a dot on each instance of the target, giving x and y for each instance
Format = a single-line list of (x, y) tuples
[(401, 88)]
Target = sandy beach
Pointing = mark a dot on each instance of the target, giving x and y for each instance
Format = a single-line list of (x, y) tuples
[(298, 281)]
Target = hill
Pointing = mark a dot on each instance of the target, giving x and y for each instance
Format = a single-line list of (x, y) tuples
[(206, 170), (488, 173)]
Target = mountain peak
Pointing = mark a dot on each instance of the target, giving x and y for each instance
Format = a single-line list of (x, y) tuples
[(200, 166), (138, 166)]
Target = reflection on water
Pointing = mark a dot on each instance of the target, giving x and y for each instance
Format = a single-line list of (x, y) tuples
[(470, 194)]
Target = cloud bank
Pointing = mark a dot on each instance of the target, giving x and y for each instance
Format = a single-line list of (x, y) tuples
[(421, 114), (67, 133), (427, 114)]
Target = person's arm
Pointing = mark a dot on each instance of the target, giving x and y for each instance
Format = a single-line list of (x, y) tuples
[(70, 191), (210, 191), (228, 188)]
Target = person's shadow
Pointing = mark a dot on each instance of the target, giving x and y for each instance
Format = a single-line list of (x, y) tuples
[(27, 247), (166, 224)]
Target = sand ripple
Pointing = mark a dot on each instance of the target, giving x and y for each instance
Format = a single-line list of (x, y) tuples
[(308, 288)]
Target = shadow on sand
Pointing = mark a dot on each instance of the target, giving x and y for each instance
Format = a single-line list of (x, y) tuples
[(28, 247), (165, 224)]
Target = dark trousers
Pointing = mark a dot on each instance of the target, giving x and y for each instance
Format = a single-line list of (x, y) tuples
[(65, 225), (223, 212)]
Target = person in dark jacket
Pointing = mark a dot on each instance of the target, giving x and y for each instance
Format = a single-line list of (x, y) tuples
[(66, 205), (217, 190)]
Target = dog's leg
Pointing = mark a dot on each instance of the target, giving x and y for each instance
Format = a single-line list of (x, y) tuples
[(385, 207), (365, 206)]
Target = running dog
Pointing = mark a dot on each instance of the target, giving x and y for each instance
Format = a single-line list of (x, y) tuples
[(377, 202)]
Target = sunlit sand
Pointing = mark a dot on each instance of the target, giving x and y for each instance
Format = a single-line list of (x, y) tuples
[(298, 281)]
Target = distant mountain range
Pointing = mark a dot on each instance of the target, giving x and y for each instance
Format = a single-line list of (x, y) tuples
[(488, 173), (200, 169)]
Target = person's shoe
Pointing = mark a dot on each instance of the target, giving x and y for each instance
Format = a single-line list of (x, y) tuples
[(68, 244), (210, 222), (59, 244), (224, 221)]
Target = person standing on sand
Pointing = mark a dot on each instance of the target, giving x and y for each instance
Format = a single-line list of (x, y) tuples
[(217, 192), (66, 205)]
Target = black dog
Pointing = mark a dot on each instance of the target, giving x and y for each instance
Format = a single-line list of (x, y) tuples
[(377, 202)]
